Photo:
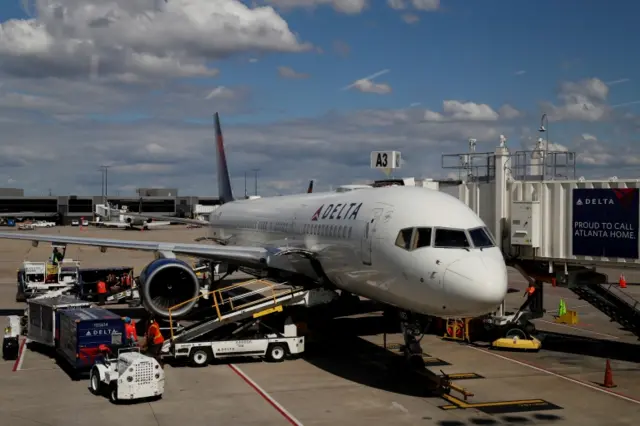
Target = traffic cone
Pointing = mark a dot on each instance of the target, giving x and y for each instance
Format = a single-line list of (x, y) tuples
[(608, 376), (622, 282), (562, 308)]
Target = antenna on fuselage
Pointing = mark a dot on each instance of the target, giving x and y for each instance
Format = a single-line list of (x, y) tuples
[(224, 182)]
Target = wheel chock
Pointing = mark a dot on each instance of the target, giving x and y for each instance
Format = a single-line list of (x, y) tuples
[(569, 318)]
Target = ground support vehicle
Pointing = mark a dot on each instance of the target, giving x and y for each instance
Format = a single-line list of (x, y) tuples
[(42, 317), (248, 339), (37, 278), (129, 376), (234, 326), (11, 339), (83, 331)]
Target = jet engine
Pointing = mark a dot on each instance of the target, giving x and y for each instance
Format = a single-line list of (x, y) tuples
[(168, 282)]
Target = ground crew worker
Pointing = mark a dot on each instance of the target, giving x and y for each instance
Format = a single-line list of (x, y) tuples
[(131, 335), (102, 292), (154, 340), (56, 256)]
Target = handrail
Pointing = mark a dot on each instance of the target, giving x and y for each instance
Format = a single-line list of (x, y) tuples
[(218, 294)]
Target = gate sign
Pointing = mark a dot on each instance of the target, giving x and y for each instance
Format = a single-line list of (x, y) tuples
[(385, 160), (605, 222)]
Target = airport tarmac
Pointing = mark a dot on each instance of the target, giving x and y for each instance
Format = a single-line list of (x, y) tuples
[(346, 376)]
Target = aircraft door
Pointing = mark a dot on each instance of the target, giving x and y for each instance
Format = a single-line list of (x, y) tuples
[(367, 237)]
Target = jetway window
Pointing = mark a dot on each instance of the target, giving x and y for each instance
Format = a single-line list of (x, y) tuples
[(480, 238), (421, 238), (451, 238), (404, 238)]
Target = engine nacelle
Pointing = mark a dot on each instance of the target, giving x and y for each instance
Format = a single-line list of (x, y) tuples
[(168, 282)]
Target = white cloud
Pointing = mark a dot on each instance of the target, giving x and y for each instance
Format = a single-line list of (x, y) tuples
[(288, 72), (508, 112), (453, 110), (134, 39), (342, 6), (426, 5), (520, 72), (584, 100), (368, 86), (396, 4)]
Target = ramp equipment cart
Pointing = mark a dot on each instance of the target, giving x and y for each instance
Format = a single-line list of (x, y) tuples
[(129, 376)]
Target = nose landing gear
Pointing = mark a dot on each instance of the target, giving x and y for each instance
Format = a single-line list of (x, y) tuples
[(413, 326)]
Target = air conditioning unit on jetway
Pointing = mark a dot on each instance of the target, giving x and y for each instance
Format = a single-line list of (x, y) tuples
[(525, 223)]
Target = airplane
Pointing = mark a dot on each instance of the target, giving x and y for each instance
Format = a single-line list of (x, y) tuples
[(125, 220), (420, 252)]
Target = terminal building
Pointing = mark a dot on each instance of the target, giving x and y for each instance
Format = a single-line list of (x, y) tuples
[(66, 208)]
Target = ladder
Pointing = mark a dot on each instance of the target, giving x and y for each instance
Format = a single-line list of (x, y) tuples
[(248, 299)]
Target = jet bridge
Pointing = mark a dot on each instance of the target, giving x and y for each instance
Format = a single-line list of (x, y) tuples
[(553, 227), (247, 300)]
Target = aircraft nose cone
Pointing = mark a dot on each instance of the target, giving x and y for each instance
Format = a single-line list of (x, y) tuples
[(475, 285)]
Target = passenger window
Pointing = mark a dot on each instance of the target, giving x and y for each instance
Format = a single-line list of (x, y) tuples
[(404, 238), (421, 238), (480, 238), (451, 238), (349, 235)]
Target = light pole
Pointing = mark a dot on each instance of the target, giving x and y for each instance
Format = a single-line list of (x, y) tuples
[(256, 180), (105, 182), (245, 185), (544, 120)]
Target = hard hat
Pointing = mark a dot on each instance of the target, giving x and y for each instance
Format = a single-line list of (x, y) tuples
[(127, 319)]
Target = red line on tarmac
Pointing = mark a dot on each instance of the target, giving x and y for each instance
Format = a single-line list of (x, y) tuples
[(279, 408), (18, 364), (560, 376)]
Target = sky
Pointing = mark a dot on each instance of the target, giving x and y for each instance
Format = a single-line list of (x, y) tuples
[(306, 89)]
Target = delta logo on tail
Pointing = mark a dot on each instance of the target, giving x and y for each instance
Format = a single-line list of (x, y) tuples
[(338, 212)]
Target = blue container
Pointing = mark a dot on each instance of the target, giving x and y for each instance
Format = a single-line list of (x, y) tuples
[(82, 331), (11, 222)]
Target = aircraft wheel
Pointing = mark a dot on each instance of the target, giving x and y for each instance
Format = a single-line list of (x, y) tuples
[(113, 395), (276, 352)]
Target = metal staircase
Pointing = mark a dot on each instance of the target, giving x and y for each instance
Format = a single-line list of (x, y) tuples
[(249, 299), (618, 305)]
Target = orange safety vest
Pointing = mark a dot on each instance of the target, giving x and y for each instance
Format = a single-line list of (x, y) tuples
[(154, 334), (102, 287), (130, 331)]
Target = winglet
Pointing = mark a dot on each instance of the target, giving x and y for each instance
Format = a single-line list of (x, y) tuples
[(310, 189), (224, 183)]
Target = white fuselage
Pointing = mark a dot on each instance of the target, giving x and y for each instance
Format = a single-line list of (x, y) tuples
[(355, 237)]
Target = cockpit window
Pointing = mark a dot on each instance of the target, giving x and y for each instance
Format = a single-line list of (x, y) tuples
[(404, 238), (422, 238), (480, 238), (451, 238)]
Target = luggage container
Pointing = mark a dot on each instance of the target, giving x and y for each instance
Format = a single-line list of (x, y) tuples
[(42, 314), (83, 331)]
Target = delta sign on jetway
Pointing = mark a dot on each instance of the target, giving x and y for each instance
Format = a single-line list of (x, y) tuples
[(605, 222)]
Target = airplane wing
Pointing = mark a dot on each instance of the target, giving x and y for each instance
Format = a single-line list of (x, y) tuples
[(154, 224), (25, 214), (112, 224), (243, 256)]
